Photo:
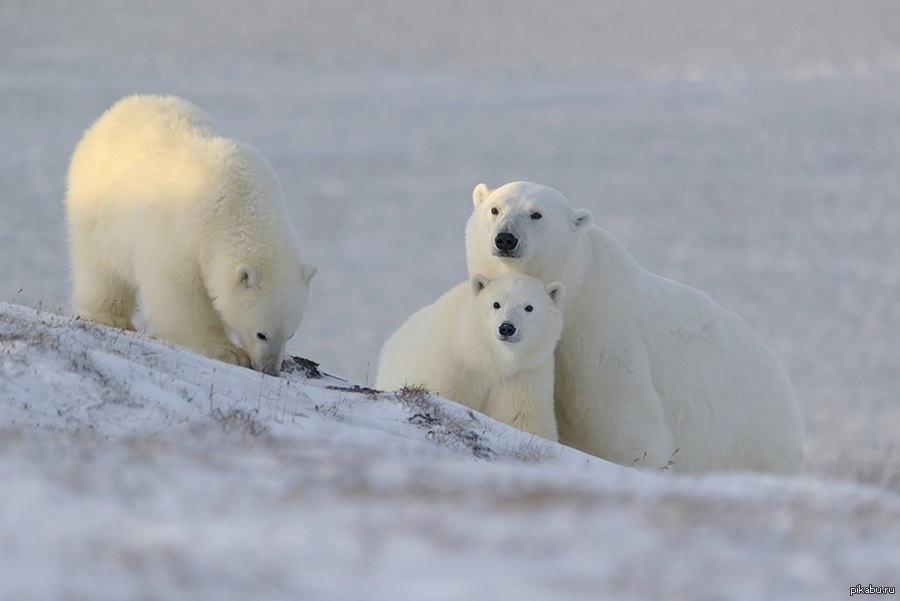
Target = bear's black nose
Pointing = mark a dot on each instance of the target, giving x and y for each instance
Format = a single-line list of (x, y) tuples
[(505, 241), (507, 329)]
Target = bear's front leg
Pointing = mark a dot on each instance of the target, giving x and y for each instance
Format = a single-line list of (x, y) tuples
[(525, 401), (225, 351), (181, 312), (99, 294)]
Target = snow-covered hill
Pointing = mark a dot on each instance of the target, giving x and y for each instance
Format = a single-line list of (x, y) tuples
[(745, 148), (130, 469)]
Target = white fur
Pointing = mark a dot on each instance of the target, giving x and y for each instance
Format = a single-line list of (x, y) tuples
[(645, 365), (162, 206), (453, 347)]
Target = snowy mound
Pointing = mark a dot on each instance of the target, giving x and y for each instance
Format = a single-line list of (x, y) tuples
[(135, 470)]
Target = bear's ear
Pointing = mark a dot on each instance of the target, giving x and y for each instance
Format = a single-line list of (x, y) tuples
[(479, 283), (307, 272), (480, 192), (582, 218), (246, 275), (556, 291)]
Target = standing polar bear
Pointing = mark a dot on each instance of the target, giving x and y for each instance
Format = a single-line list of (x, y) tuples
[(487, 344), (162, 206), (648, 371)]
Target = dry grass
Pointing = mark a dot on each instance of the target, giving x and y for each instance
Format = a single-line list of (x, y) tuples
[(240, 422), (356, 388), (881, 468), (444, 427)]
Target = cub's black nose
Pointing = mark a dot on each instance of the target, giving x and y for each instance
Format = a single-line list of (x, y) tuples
[(505, 241), (507, 329)]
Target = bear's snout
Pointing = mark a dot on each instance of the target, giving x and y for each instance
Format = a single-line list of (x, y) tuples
[(507, 329), (506, 242)]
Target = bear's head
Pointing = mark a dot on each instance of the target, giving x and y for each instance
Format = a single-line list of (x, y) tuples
[(522, 227), (263, 307), (518, 318)]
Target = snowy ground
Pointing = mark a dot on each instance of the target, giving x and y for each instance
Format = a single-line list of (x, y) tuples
[(133, 470), (748, 148)]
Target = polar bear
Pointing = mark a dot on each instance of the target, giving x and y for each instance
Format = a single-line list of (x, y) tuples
[(161, 206), (487, 344), (648, 371)]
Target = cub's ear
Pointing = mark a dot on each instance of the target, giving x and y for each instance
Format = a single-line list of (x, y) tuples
[(582, 218), (307, 272), (556, 291), (480, 192), (246, 276), (479, 283)]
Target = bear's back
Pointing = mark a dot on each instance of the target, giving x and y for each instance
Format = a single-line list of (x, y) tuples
[(718, 383), (149, 152), (417, 351), (153, 121)]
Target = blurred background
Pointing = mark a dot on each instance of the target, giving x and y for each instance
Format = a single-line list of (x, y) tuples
[(750, 149)]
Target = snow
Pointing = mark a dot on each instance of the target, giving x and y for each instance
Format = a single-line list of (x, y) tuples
[(133, 469), (746, 148)]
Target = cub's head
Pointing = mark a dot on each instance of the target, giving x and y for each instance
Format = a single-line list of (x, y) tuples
[(263, 307), (517, 316), (521, 227)]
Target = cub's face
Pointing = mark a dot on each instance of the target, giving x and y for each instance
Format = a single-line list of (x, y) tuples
[(518, 314), (522, 226), (264, 310)]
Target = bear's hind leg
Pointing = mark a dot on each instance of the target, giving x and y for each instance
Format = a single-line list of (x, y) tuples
[(102, 296)]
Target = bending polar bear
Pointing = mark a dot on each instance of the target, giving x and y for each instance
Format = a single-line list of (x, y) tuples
[(487, 344), (645, 366), (160, 204)]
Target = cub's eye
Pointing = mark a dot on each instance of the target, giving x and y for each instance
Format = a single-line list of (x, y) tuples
[(496, 305), (495, 211), (536, 215), (529, 308), (262, 336)]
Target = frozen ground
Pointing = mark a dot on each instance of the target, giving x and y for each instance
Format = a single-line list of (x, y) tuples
[(749, 148), (133, 470)]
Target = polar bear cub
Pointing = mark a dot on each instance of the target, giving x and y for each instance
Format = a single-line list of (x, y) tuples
[(648, 370), (487, 344), (162, 206)]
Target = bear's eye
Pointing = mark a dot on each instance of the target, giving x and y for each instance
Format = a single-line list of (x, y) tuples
[(496, 305), (529, 308), (536, 215), (495, 211), (262, 336)]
